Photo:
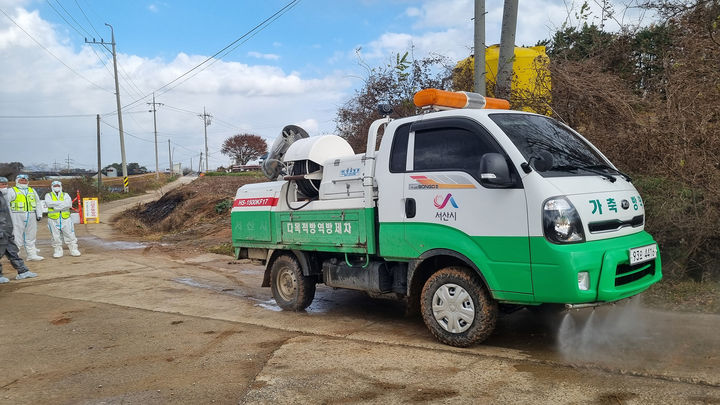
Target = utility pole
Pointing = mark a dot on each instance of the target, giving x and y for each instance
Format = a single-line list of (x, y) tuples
[(479, 59), (157, 165), (99, 182), (507, 49), (117, 99), (170, 158), (206, 121), (68, 160), (200, 163)]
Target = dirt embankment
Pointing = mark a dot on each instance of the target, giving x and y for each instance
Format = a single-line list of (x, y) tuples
[(194, 217)]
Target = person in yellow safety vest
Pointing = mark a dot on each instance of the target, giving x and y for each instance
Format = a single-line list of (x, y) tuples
[(59, 222), (26, 211)]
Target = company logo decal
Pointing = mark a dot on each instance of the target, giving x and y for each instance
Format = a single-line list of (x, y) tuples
[(610, 204), (351, 171), (440, 203), (448, 198), (436, 182)]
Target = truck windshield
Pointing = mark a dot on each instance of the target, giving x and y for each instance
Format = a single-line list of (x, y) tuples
[(536, 136)]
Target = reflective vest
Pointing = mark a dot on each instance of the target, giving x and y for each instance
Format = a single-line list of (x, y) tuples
[(52, 214), (23, 201)]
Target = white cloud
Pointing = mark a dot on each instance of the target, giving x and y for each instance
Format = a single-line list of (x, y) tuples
[(446, 27), (153, 8), (259, 99), (442, 14), (310, 125), (267, 56)]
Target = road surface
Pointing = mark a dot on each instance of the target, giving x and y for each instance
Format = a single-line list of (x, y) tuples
[(136, 323)]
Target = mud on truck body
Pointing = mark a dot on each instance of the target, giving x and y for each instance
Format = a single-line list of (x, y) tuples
[(463, 209)]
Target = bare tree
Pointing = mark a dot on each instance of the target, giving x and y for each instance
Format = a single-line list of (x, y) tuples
[(395, 84)]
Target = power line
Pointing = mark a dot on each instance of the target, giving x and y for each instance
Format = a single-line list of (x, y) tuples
[(46, 116), (250, 34), (126, 132), (136, 91), (71, 17), (260, 26), (52, 54), (63, 17), (86, 18), (228, 46)]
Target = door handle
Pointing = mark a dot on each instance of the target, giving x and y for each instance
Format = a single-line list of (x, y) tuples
[(410, 208)]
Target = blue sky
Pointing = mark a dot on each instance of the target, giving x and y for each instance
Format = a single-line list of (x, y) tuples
[(297, 70)]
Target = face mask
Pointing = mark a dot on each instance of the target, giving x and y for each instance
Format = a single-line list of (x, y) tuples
[(22, 186), (57, 189)]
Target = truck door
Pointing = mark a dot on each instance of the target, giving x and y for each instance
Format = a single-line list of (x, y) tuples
[(446, 206)]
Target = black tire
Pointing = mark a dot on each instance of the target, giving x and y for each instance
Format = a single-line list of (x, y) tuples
[(457, 308), (291, 289)]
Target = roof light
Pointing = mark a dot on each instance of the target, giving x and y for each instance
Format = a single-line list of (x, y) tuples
[(443, 100)]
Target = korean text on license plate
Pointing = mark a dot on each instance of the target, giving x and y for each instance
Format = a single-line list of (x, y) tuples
[(643, 254)]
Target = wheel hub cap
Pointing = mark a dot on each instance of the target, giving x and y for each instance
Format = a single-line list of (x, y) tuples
[(287, 284), (453, 308)]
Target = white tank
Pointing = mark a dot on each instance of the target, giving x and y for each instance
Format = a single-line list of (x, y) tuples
[(318, 149)]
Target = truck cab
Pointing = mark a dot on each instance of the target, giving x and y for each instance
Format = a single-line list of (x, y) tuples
[(461, 209)]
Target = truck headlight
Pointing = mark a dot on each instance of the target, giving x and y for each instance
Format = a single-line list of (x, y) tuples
[(561, 222)]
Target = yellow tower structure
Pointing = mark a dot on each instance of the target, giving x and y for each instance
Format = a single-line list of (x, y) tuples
[(531, 84)]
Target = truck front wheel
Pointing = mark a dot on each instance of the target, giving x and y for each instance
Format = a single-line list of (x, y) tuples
[(457, 308), (291, 289)]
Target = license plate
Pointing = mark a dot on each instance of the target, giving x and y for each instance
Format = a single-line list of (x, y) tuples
[(643, 254)]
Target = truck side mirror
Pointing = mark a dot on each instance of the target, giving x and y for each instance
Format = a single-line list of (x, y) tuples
[(494, 171)]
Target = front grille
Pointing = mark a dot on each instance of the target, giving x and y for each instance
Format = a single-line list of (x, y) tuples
[(626, 274), (615, 224)]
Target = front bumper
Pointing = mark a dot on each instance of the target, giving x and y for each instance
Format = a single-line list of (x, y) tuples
[(555, 269)]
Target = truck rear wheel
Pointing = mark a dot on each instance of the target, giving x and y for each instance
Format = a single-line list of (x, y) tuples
[(457, 308), (291, 289)]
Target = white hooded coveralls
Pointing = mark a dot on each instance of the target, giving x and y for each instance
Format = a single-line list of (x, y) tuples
[(61, 228), (24, 221)]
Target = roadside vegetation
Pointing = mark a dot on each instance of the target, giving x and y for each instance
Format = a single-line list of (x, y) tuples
[(112, 190)]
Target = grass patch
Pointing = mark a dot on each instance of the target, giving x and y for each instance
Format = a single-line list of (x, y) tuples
[(223, 249), (686, 296)]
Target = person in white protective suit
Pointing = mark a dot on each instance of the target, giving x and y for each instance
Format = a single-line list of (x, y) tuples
[(7, 241), (59, 221), (26, 211)]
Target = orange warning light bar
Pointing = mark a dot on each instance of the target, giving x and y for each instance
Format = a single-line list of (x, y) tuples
[(443, 99)]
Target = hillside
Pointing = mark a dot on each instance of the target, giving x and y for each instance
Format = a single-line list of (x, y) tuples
[(194, 217)]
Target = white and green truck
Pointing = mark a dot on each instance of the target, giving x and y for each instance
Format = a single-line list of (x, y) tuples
[(462, 210)]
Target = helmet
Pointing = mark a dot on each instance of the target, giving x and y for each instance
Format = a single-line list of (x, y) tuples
[(22, 176), (3, 179), (56, 183)]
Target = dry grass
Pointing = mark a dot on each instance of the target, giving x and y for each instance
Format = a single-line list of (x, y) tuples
[(195, 216), (686, 296)]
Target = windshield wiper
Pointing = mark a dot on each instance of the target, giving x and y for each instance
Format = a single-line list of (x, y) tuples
[(568, 168), (612, 169)]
